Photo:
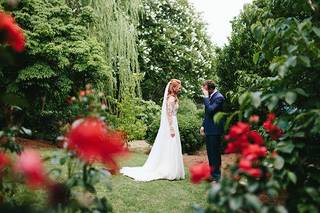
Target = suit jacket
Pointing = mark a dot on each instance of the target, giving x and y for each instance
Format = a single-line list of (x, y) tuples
[(213, 105)]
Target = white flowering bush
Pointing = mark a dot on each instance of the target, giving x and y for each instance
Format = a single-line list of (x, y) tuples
[(173, 44)]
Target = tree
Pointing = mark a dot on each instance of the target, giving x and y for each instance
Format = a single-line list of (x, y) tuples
[(279, 72), (115, 26), (60, 59), (173, 44)]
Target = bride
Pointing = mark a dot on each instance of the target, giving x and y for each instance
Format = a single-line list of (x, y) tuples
[(165, 159)]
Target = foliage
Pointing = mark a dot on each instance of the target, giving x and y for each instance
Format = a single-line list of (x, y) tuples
[(129, 119), (189, 119), (60, 58), (70, 186), (283, 77), (173, 44), (236, 57), (254, 173), (115, 27)]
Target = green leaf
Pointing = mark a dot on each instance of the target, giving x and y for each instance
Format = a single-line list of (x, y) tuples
[(235, 203), (253, 187), (63, 161), (291, 61), (253, 201), (279, 163), (256, 99), (312, 192), (305, 60), (290, 97), (292, 48), (244, 98), (219, 116), (292, 177), (316, 31), (281, 209), (273, 66), (301, 92), (273, 102), (256, 57), (286, 147), (229, 120)]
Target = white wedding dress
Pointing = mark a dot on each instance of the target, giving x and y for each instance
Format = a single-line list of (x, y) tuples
[(165, 159)]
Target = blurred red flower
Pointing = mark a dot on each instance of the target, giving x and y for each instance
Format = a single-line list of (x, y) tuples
[(200, 172), (254, 172), (245, 166), (29, 164), (240, 137), (13, 34), (254, 151), (255, 137), (274, 131), (237, 130), (271, 116), (92, 141), (4, 161)]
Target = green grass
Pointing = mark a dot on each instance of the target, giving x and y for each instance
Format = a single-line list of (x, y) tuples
[(127, 195)]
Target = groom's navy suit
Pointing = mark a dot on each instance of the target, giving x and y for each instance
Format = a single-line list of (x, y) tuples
[(213, 131)]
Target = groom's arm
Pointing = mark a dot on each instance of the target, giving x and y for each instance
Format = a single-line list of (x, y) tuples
[(213, 107)]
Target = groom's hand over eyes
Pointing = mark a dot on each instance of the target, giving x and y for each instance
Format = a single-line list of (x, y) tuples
[(205, 92)]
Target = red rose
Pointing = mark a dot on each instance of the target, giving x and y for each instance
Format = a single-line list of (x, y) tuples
[(254, 151), (254, 172), (271, 116), (237, 130), (200, 172), (245, 166), (254, 119), (237, 146), (91, 140), (274, 131), (29, 164), (13, 34), (255, 137), (237, 137), (267, 125)]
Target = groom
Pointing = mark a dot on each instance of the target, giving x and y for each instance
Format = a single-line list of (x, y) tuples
[(213, 102)]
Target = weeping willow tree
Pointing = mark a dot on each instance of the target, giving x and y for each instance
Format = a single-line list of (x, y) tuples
[(115, 27)]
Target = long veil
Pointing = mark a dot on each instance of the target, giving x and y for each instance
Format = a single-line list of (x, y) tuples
[(164, 119), (163, 135)]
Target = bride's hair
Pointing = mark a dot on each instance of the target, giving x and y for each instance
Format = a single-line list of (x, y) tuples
[(174, 88)]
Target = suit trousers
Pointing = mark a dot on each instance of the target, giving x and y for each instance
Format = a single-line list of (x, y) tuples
[(213, 143)]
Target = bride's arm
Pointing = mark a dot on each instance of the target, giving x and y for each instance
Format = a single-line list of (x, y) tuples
[(170, 110)]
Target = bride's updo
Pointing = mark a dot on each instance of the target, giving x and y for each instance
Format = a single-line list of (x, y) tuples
[(174, 87)]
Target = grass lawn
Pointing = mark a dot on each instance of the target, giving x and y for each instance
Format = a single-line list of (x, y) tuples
[(127, 195)]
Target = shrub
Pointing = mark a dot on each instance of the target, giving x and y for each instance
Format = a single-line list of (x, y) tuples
[(129, 119)]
